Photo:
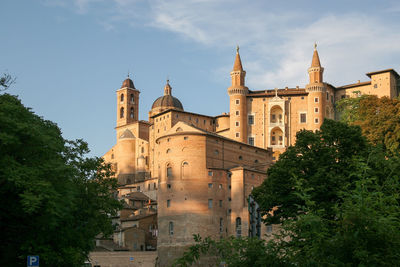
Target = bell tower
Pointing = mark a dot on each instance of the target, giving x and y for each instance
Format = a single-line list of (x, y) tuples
[(238, 102), (127, 103), (316, 91)]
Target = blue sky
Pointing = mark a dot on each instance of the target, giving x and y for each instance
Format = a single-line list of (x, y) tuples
[(69, 56)]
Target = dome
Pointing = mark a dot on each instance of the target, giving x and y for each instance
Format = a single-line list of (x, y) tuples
[(128, 83), (167, 100)]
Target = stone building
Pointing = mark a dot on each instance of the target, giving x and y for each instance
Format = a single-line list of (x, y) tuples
[(201, 169)]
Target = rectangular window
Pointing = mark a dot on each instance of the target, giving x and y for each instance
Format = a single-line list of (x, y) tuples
[(316, 110), (236, 123), (237, 112), (237, 134), (138, 188), (273, 138), (210, 185), (171, 228), (316, 120), (220, 186), (220, 203), (269, 229), (210, 173), (332, 99), (273, 117), (168, 203), (210, 203), (168, 186), (280, 138), (316, 99), (237, 101), (251, 141), (221, 225), (251, 119), (169, 172), (303, 117), (327, 96)]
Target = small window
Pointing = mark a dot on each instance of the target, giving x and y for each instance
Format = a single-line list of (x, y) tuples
[(169, 172), (154, 186), (168, 151), (240, 157), (251, 141), (375, 86), (302, 98), (210, 203), (237, 135), (210, 173), (256, 161), (303, 117), (251, 119), (269, 229), (238, 227), (316, 120), (229, 199), (344, 96), (132, 98), (171, 228), (132, 113), (210, 185), (237, 113), (138, 188), (316, 110), (237, 101), (327, 96), (221, 225), (112, 156), (148, 187), (220, 203), (121, 112), (168, 203), (237, 124), (142, 149), (122, 97), (169, 186), (229, 187), (316, 99), (197, 120), (185, 138), (220, 186)]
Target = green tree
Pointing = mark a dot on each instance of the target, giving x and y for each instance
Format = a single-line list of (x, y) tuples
[(337, 199), (320, 163), (379, 119), (54, 199)]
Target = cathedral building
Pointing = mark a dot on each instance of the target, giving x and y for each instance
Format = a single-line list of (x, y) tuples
[(200, 168)]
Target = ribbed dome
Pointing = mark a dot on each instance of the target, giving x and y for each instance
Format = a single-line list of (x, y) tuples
[(167, 101), (128, 83)]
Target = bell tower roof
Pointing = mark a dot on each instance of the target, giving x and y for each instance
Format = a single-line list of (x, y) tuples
[(237, 66), (128, 83), (315, 59)]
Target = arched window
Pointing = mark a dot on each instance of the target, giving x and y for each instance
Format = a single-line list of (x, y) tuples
[(171, 228), (132, 114), (185, 169), (132, 98), (121, 112), (238, 227), (122, 97), (169, 171)]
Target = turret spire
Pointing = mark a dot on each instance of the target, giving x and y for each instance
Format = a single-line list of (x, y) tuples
[(315, 60), (237, 66), (167, 88)]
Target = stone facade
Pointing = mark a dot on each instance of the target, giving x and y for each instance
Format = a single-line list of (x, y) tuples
[(200, 169)]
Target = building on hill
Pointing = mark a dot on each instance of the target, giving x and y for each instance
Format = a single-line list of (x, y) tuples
[(201, 169)]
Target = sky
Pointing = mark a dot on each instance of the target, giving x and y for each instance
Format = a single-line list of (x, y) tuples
[(70, 56)]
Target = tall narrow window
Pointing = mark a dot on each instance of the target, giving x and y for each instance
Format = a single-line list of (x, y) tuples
[(121, 112), (122, 97), (251, 119), (221, 225), (132, 98), (171, 228), (132, 114), (168, 203), (210, 202), (238, 227), (169, 172)]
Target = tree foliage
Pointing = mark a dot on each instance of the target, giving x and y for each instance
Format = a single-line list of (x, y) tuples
[(337, 198), (379, 119), (54, 199)]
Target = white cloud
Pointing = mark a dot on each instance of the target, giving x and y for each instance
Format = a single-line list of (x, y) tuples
[(277, 40)]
